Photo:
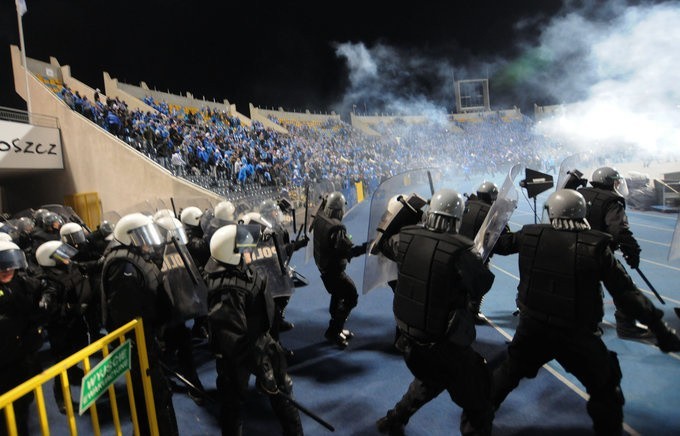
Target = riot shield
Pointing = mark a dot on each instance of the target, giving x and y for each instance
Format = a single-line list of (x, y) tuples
[(674, 249), (181, 203), (183, 283), (570, 175), (67, 213), (378, 270), (498, 215), (268, 259)]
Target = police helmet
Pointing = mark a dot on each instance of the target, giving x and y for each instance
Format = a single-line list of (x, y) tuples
[(25, 225), (191, 216), (5, 237), (255, 217), (170, 227), (335, 205), (53, 253), (38, 216), (161, 213), (72, 234), (487, 192), (566, 204), (445, 211), (224, 211), (11, 256), (52, 222), (609, 178), (228, 241), (138, 230), (269, 209), (106, 229)]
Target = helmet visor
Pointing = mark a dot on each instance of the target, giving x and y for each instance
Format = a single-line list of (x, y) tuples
[(621, 187), (64, 253), (74, 238), (12, 259), (147, 235), (247, 237)]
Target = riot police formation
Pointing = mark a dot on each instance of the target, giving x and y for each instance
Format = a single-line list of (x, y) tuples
[(333, 248), (48, 225), (20, 329), (477, 208), (66, 294), (607, 213), (132, 287), (439, 273), (240, 317), (559, 318)]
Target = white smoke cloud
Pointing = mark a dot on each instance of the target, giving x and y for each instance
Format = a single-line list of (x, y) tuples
[(625, 73), (384, 79)]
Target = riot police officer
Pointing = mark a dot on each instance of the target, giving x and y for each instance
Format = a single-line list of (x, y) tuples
[(66, 295), (439, 273), (561, 267), (89, 259), (132, 287), (476, 209), (278, 271), (607, 213), (198, 247), (20, 329), (333, 248), (241, 314)]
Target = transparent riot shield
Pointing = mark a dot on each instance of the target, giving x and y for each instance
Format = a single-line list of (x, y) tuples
[(67, 213), (499, 214), (378, 270), (181, 203), (674, 249), (571, 175)]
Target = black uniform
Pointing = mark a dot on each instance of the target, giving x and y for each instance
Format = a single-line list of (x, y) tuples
[(132, 287), (65, 296), (332, 249), (240, 316), (607, 213), (438, 274), (560, 302), (20, 339)]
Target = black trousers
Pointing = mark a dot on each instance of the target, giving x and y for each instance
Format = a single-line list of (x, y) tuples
[(462, 372), (581, 353), (12, 375), (344, 297)]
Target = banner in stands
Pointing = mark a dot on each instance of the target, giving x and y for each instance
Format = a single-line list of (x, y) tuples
[(29, 147)]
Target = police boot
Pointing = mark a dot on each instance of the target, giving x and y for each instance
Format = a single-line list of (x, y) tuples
[(391, 424), (283, 324), (335, 334), (626, 328), (474, 307)]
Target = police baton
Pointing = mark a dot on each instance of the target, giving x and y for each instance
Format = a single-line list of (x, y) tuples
[(306, 411), (650, 285), (184, 380)]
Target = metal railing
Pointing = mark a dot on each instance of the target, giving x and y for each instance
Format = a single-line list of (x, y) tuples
[(20, 116), (60, 369)]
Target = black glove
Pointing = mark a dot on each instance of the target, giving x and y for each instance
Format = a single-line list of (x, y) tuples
[(632, 259), (358, 250), (266, 381), (300, 243), (666, 337)]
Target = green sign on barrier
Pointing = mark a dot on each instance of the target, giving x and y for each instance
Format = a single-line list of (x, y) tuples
[(103, 375)]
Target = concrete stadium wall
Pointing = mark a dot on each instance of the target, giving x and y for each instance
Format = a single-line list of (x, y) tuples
[(94, 161)]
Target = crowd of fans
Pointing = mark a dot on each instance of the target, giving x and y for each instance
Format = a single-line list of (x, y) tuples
[(216, 150)]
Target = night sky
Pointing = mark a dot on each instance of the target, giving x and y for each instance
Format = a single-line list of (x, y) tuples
[(285, 54)]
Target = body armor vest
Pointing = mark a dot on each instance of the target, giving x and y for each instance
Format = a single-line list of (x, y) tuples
[(598, 202), (559, 276), (127, 294), (75, 289), (424, 301), (253, 286), (324, 227), (475, 213)]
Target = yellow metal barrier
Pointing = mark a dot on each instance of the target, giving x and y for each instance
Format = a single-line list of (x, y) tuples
[(36, 383)]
